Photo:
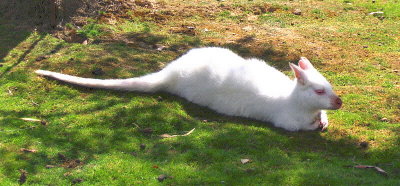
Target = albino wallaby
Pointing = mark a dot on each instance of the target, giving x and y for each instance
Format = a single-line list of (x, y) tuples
[(229, 84)]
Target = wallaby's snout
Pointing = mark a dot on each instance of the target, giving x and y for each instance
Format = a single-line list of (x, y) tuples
[(336, 102)]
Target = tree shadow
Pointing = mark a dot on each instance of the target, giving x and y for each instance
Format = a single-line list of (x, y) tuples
[(19, 19), (45, 15), (248, 47), (10, 38), (22, 57)]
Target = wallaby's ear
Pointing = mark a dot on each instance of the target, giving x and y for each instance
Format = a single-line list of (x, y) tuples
[(299, 73), (305, 64)]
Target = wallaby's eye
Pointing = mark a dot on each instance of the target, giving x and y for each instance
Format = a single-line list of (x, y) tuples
[(319, 91)]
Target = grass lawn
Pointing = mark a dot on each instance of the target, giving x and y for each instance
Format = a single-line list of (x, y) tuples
[(89, 136)]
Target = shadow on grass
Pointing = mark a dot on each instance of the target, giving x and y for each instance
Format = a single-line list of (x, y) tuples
[(113, 132), (9, 39), (22, 57)]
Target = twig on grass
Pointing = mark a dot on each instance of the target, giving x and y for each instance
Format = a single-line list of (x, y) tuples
[(31, 119), (171, 136), (378, 169), (34, 120)]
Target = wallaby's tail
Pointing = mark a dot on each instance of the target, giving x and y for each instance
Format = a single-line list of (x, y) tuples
[(148, 83)]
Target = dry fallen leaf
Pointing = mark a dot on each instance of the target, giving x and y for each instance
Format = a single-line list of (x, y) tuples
[(384, 120), (142, 146), (10, 92), (22, 177), (40, 58), (364, 144), (50, 166), (27, 150), (162, 177), (146, 131), (67, 174), (72, 163), (77, 180), (250, 170), (159, 47), (62, 157), (297, 12), (244, 161)]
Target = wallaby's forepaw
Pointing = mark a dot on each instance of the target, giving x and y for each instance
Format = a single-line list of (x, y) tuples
[(323, 122), (323, 125)]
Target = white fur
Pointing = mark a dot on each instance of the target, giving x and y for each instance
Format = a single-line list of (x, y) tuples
[(229, 84)]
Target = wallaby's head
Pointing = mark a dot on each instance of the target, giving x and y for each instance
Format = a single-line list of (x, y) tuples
[(312, 89)]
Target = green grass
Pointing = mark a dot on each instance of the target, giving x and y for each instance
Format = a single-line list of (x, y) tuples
[(96, 137)]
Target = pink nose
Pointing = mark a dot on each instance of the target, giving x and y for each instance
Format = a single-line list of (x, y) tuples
[(337, 103)]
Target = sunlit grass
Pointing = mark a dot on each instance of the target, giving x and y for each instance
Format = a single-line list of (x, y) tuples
[(106, 130)]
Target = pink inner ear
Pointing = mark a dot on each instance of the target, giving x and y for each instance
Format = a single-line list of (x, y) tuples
[(298, 73), (304, 63)]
